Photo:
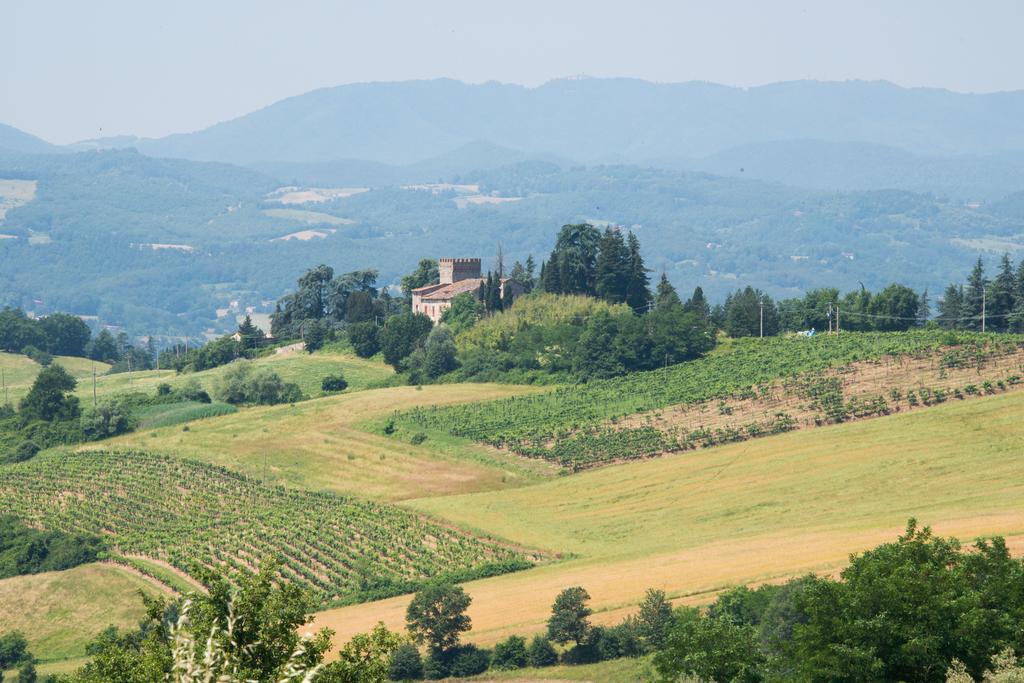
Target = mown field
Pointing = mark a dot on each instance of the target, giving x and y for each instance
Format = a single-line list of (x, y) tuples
[(696, 523), (326, 444), (194, 516), (59, 612)]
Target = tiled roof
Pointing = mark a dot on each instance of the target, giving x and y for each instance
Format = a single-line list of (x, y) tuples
[(452, 290)]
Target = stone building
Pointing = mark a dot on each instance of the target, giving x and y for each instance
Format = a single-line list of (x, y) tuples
[(457, 276)]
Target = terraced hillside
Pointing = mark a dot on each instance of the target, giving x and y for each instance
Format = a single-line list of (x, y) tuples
[(194, 516), (580, 426)]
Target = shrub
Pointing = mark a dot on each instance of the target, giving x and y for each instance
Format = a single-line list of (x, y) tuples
[(541, 652), (163, 389), (364, 338), (406, 664), (468, 660), (244, 383), (334, 383), (38, 355), (13, 650), (26, 450), (510, 654), (418, 438), (192, 390)]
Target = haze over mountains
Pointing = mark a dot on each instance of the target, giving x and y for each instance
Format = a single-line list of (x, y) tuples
[(813, 183)]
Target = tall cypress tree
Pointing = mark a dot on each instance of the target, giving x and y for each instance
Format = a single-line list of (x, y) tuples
[(1001, 295), (698, 305), (924, 309), (974, 297), (612, 271), (666, 295), (1016, 322), (493, 302), (638, 293), (951, 306)]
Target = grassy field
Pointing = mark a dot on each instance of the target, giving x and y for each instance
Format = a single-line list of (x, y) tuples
[(693, 524), (614, 671), (304, 369), (20, 371), (325, 445), (59, 612)]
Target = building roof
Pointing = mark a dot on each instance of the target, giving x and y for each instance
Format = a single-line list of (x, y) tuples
[(452, 290)]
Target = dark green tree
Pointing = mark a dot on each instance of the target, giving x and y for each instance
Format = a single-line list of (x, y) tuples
[(465, 311), (895, 309), (50, 397), (665, 295), (1016, 321), (924, 309), (698, 304), (364, 339), (439, 352), (360, 308), (66, 335), (402, 334), (406, 664), (655, 619), (974, 297), (315, 333), (951, 307), (426, 273), (571, 267), (541, 652), (638, 290), (612, 268), (104, 348), (710, 649), (437, 616), (570, 615), (1001, 296), (510, 654), (743, 311)]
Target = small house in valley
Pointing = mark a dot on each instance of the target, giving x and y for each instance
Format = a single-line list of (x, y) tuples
[(457, 276)]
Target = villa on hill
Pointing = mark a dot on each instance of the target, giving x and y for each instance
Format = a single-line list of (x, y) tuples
[(457, 276)]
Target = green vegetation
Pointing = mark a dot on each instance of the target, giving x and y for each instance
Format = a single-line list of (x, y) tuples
[(29, 551), (343, 549), (564, 424), (910, 610), (168, 414)]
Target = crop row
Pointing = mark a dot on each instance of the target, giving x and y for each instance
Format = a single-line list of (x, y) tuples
[(568, 424), (195, 516)]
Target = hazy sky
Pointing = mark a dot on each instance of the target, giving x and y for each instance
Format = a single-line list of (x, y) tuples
[(77, 69)]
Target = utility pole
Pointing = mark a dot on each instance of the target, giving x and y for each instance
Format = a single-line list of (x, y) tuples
[(830, 317), (761, 305), (837, 318), (983, 309)]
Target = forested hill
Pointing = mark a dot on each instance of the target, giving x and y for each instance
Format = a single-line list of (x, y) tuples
[(159, 245), (601, 120)]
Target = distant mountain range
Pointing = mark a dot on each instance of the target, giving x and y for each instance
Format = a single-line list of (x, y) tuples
[(785, 187), (599, 121)]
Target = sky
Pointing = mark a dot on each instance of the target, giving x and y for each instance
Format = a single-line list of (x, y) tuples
[(75, 70)]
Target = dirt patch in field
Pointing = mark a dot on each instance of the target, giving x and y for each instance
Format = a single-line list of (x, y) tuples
[(313, 195), (481, 199)]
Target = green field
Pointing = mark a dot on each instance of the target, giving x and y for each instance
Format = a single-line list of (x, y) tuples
[(20, 371), (193, 515), (306, 370), (59, 612), (696, 523)]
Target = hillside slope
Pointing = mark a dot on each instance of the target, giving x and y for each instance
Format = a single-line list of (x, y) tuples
[(697, 523)]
